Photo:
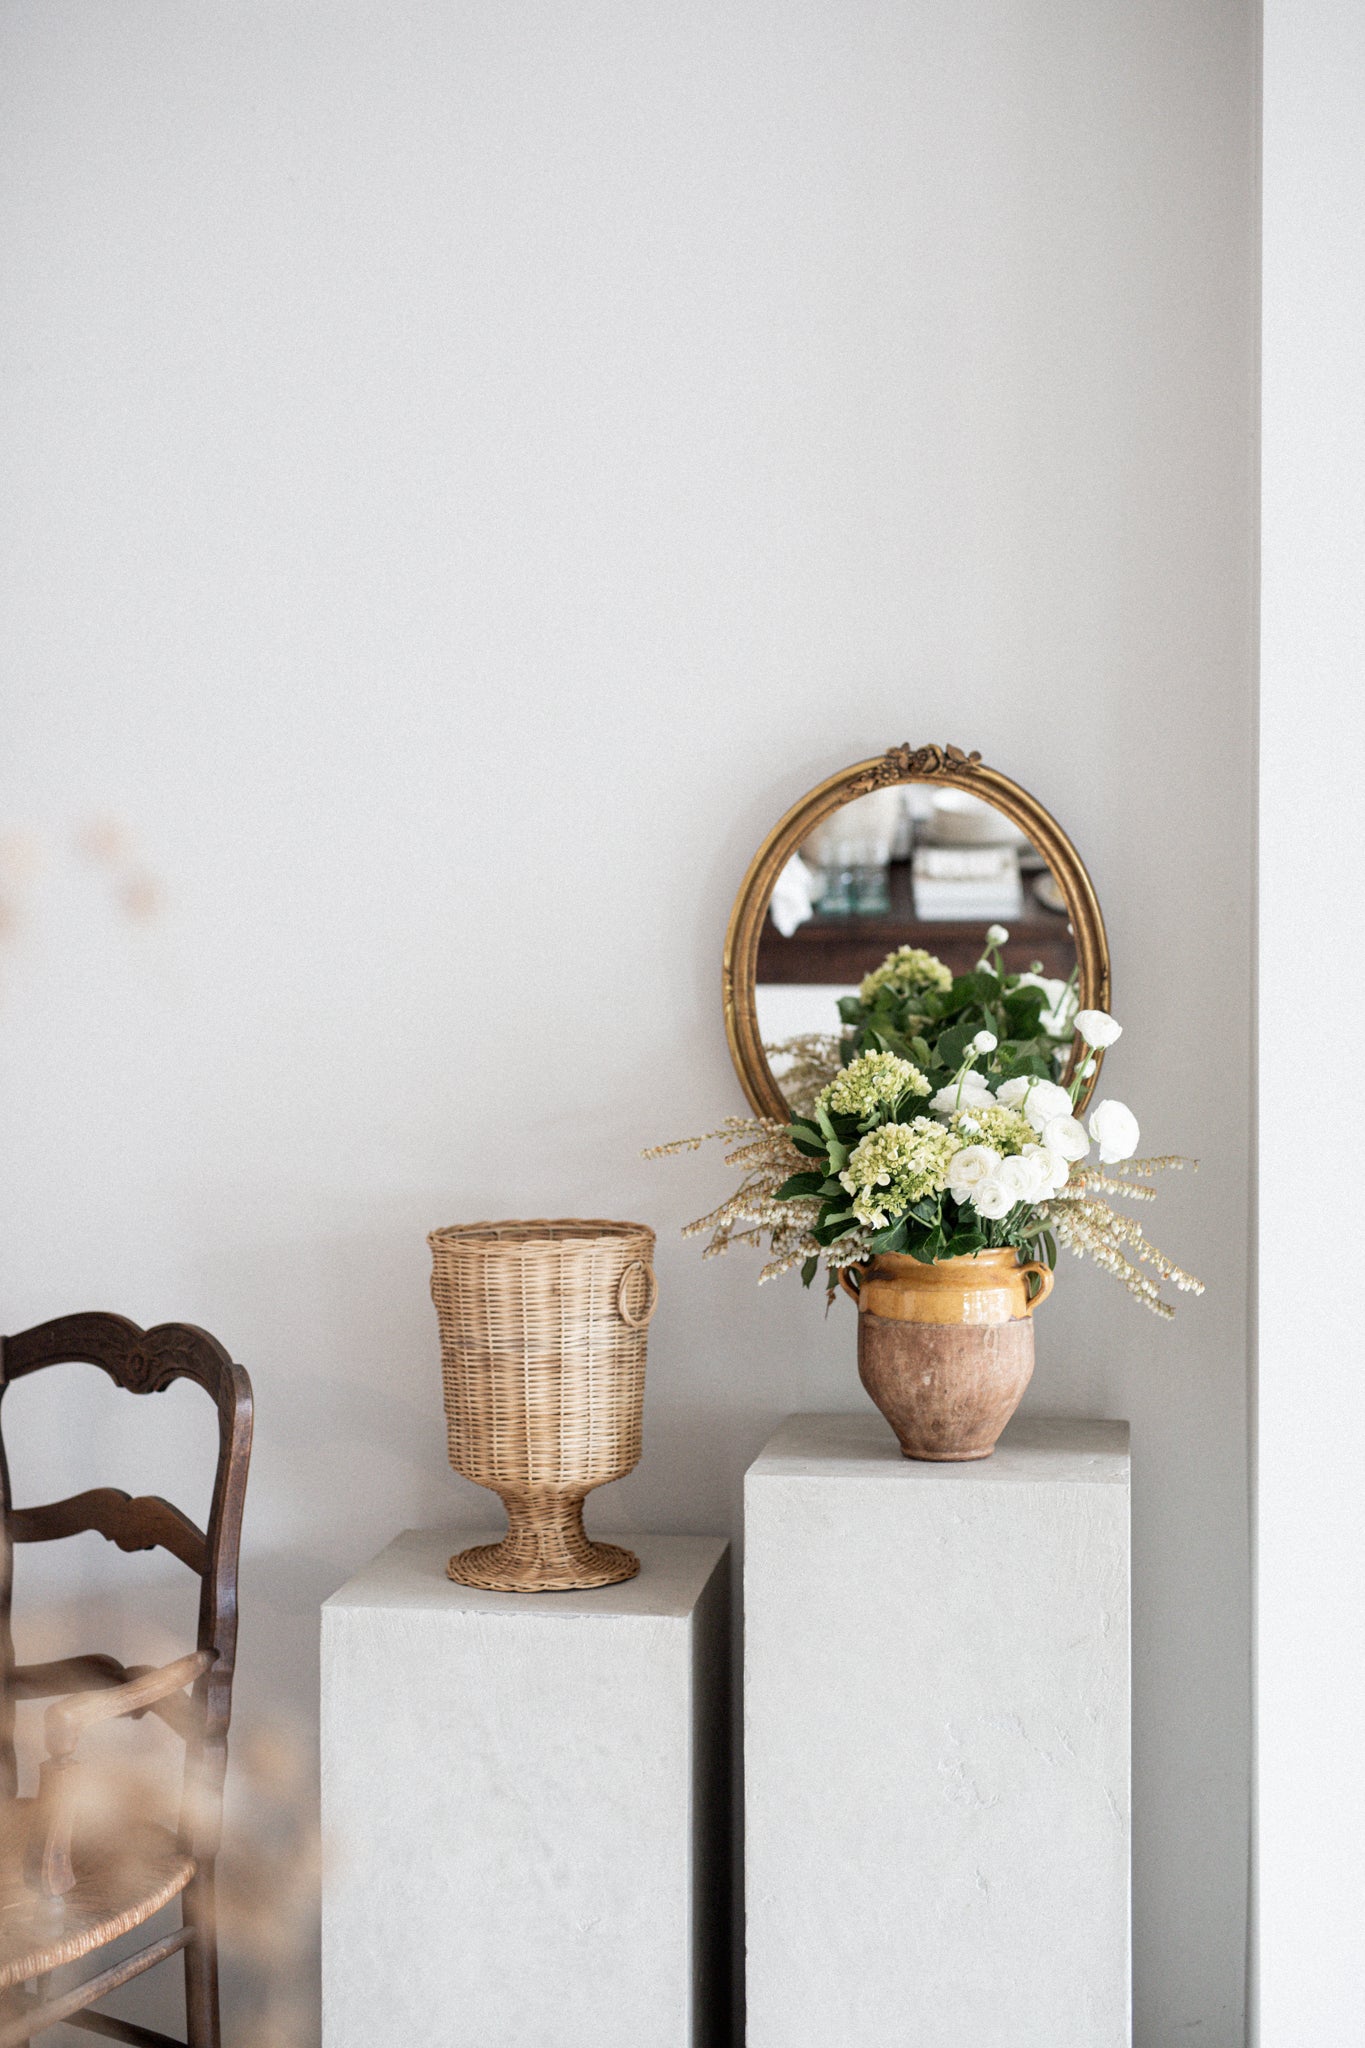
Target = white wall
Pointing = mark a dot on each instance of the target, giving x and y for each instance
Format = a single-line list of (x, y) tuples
[(468, 468), (1311, 1419)]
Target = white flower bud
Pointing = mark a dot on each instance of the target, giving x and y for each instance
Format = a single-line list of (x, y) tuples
[(996, 935), (985, 1041)]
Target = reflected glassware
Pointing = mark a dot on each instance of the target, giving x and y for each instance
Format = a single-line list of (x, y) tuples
[(871, 896), (836, 899)]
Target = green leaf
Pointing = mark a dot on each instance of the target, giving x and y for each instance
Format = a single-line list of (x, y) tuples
[(975, 988), (892, 1239), (810, 1268), (1023, 1012), (834, 1145), (951, 1048), (919, 1051), (800, 1184)]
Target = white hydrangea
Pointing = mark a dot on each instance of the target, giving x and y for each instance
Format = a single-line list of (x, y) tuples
[(909, 967), (872, 1082), (895, 1166)]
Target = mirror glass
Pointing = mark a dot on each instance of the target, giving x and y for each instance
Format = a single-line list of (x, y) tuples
[(916, 862)]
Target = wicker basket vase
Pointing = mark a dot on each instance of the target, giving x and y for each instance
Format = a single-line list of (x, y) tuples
[(543, 1328)]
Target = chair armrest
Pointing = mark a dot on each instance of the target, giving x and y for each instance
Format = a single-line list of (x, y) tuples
[(66, 1722), (66, 1675)]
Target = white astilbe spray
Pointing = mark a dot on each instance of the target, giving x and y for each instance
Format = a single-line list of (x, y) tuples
[(812, 1063), (762, 1151), (1092, 1228)]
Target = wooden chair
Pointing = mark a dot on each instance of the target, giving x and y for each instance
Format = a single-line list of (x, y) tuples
[(65, 1896)]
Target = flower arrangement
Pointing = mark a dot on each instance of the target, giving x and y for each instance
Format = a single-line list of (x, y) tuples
[(935, 1124)]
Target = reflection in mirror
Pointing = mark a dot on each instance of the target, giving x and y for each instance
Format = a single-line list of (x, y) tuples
[(912, 865)]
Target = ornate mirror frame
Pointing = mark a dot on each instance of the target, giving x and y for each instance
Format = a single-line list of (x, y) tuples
[(944, 766)]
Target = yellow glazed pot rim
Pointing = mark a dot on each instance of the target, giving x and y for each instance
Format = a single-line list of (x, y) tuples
[(966, 1267), (977, 1287)]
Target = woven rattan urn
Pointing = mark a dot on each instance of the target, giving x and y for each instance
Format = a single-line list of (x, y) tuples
[(543, 1328)]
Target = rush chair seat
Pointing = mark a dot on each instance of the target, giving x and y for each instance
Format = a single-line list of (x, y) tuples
[(71, 1883)]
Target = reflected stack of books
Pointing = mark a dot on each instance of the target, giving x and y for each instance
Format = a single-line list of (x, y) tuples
[(962, 883)]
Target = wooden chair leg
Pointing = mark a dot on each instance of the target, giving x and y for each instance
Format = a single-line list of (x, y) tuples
[(36, 1988), (202, 2028)]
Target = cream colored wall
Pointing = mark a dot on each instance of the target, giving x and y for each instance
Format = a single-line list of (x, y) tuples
[(468, 470)]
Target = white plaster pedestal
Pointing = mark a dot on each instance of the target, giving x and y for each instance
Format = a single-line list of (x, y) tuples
[(937, 1740), (520, 1805)]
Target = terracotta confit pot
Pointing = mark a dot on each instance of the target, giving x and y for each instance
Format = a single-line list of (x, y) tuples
[(946, 1351)]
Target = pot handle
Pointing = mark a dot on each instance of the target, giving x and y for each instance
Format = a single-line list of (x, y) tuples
[(637, 1322), (1046, 1277), (852, 1288)]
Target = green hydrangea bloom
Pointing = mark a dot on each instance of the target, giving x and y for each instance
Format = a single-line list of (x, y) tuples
[(874, 1081), (908, 968), (1008, 1130), (897, 1165)]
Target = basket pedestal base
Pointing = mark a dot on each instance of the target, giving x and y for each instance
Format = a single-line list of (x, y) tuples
[(546, 1550)]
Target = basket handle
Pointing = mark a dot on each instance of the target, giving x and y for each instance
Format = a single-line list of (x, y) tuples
[(637, 1322)]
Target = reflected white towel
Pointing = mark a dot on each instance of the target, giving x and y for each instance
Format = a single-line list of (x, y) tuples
[(794, 894)]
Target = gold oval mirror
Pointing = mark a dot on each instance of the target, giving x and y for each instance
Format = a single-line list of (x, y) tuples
[(916, 855)]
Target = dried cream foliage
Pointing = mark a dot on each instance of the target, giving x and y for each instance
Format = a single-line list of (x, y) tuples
[(1080, 1218)]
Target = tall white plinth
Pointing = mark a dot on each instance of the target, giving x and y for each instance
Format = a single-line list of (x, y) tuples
[(937, 1740), (521, 1796)]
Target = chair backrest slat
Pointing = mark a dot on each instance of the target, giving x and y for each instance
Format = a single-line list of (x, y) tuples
[(144, 1523), (147, 1362)]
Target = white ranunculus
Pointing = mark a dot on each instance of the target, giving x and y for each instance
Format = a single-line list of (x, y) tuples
[(985, 1041), (1021, 1178), (1097, 1028), (996, 935), (1115, 1130), (1047, 1100), (975, 1094), (1056, 1015), (993, 1199), (1065, 1135), (1040, 1167), (969, 1168), (1012, 1093), (1050, 1171), (1040, 1101)]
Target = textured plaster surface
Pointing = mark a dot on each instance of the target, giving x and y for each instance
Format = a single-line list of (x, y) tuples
[(937, 1740), (520, 1794)]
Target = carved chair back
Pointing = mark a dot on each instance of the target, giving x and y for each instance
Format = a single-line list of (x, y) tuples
[(142, 1362)]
